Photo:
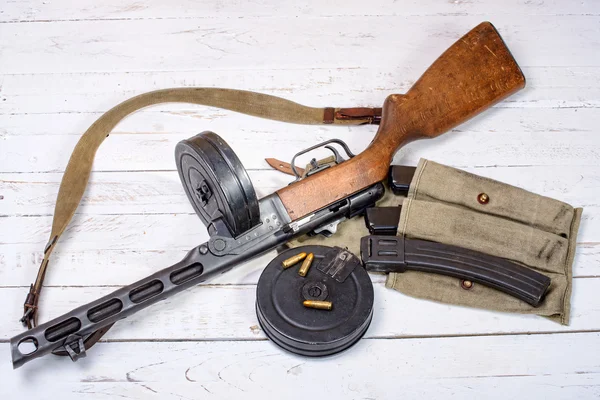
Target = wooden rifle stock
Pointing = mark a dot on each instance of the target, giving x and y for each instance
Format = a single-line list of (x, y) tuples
[(473, 74)]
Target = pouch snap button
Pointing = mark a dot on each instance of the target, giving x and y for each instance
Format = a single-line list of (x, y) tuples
[(483, 198)]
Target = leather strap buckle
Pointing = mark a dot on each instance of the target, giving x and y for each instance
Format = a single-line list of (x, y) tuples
[(29, 308), (31, 301), (371, 115)]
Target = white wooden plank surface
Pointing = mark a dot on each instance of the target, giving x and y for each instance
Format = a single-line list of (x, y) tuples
[(136, 45), (32, 10), (460, 368), (63, 63)]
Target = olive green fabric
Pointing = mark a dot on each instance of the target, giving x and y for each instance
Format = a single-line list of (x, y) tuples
[(536, 231), (442, 206)]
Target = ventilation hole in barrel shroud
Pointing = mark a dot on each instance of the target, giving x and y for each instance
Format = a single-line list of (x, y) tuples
[(105, 310), (62, 329), (186, 273), (27, 346), (146, 291)]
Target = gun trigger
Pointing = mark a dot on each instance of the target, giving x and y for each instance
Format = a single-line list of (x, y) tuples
[(329, 229)]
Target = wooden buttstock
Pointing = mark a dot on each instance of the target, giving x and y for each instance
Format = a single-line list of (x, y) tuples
[(473, 74)]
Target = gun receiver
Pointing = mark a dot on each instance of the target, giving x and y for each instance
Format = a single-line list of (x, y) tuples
[(476, 72), (472, 75)]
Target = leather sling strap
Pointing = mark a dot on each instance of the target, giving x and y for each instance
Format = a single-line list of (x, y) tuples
[(77, 173)]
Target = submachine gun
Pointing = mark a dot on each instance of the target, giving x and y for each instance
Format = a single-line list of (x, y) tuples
[(473, 74)]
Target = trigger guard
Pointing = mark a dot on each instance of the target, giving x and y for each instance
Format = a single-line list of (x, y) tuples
[(323, 144)]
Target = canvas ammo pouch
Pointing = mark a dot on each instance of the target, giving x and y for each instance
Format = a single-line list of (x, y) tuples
[(454, 207)]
